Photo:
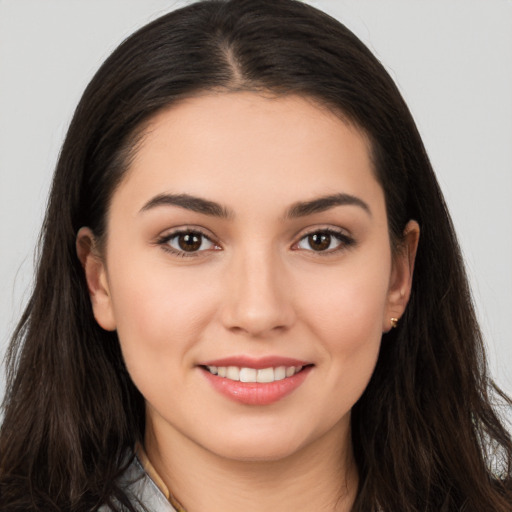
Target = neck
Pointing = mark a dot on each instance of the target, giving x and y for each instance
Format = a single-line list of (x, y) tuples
[(320, 476)]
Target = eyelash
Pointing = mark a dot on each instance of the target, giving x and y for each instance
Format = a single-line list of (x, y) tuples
[(166, 239), (344, 240)]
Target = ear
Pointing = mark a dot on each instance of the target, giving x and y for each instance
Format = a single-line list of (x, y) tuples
[(400, 283), (96, 277)]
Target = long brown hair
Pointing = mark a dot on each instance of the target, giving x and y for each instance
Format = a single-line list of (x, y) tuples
[(425, 434)]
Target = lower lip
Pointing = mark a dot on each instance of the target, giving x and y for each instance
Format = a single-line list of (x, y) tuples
[(257, 393)]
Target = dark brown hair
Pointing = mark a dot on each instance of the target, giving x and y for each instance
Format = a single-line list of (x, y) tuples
[(425, 434)]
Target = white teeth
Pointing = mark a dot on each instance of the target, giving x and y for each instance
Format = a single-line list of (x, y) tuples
[(263, 375), (233, 373), (279, 373), (248, 374)]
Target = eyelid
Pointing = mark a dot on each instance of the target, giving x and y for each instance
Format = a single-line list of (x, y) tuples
[(163, 241), (346, 240)]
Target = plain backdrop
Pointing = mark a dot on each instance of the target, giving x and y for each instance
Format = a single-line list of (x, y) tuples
[(452, 60)]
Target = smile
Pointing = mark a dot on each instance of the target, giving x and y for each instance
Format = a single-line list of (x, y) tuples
[(261, 375), (256, 381)]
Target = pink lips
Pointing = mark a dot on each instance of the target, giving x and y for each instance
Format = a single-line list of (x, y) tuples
[(258, 363), (256, 393)]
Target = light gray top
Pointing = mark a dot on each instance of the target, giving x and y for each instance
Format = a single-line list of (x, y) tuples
[(141, 489)]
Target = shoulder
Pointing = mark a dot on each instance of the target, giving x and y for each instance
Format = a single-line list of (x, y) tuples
[(142, 491)]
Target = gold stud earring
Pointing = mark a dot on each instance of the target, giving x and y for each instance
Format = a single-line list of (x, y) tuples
[(394, 322)]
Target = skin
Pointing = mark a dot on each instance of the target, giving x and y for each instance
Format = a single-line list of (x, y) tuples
[(257, 288)]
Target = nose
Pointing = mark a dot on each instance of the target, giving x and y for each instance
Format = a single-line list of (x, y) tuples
[(257, 300)]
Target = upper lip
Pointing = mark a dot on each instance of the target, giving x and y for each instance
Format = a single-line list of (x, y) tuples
[(255, 362)]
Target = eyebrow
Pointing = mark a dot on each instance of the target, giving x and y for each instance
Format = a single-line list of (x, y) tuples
[(301, 209), (211, 208), (195, 204)]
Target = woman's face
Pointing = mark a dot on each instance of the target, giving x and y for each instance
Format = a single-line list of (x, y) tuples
[(249, 242)]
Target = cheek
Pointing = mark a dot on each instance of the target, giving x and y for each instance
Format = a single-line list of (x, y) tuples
[(344, 312), (350, 328), (160, 313), (347, 305)]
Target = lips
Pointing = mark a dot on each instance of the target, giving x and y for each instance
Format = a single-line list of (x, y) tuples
[(256, 381)]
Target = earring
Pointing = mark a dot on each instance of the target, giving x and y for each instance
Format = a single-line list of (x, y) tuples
[(394, 322)]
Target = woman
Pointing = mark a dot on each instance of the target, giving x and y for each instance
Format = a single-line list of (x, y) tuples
[(250, 294)]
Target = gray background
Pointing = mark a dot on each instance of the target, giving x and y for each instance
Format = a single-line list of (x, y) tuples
[(452, 59)]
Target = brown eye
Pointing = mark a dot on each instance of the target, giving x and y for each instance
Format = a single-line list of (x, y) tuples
[(319, 241), (328, 241), (188, 242)]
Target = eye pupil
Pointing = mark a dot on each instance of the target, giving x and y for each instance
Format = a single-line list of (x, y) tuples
[(319, 241), (189, 242)]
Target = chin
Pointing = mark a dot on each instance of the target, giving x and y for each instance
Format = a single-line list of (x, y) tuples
[(260, 452), (264, 446)]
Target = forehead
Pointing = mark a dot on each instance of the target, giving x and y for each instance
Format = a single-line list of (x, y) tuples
[(242, 145)]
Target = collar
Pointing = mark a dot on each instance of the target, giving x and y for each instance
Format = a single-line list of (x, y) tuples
[(152, 473)]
